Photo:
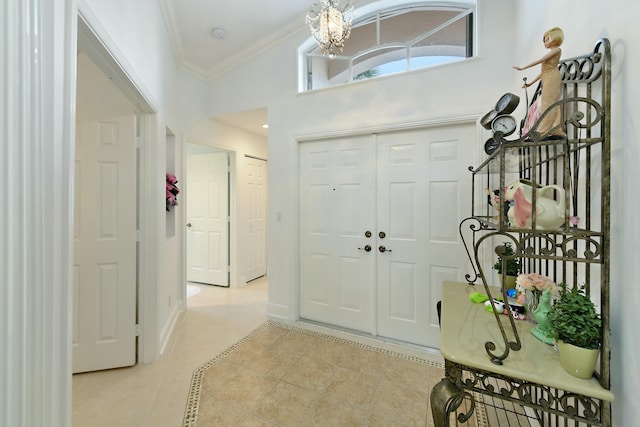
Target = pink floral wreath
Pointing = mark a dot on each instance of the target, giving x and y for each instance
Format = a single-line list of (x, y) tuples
[(171, 191)]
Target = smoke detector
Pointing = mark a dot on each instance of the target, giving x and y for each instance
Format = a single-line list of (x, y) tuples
[(218, 33)]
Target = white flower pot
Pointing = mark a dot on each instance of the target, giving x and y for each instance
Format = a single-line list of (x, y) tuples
[(577, 361)]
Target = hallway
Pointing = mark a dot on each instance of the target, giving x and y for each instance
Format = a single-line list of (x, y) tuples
[(155, 394)]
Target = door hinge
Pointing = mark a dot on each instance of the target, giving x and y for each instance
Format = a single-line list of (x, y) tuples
[(138, 235), (138, 329), (138, 142)]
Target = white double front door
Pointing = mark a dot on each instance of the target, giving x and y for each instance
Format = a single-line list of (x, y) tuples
[(379, 219)]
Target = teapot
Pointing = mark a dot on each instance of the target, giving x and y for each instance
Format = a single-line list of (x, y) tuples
[(550, 213)]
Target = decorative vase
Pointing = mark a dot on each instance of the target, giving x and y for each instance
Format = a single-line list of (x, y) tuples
[(543, 328), (510, 281), (531, 301), (577, 361)]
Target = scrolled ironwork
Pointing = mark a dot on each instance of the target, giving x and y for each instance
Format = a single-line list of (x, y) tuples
[(537, 396), (545, 243), (474, 225), (587, 253), (515, 344)]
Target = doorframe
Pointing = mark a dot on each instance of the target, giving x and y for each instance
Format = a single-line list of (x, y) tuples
[(292, 311), (103, 51)]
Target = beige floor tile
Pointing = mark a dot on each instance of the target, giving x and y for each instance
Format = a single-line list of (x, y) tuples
[(367, 361), (155, 394), (220, 413), (411, 374), (352, 388), (311, 374), (287, 404), (254, 421), (297, 343), (217, 376), (308, 380), (396, 402), (274, 363), (333, 352), (330, 413), (247, 389)]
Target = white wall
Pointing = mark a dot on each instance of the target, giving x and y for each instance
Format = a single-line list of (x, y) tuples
[(583, 22), (202, 130), (459, 89), (509, 33), (135, 35)]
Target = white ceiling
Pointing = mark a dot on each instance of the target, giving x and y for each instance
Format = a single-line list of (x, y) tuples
[(251, 26)]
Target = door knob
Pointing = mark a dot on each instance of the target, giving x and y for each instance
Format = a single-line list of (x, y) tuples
[(382, 234), (381, 248), (189, 225), (367, 233), (367, 248)]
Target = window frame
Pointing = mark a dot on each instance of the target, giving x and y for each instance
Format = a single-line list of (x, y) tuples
[(376, 13)]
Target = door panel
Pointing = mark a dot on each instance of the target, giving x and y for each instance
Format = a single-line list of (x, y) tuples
[(105, 246), (207, 214), (257, 250), (337, 207), (422, 182)]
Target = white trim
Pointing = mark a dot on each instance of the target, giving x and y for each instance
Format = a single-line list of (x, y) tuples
[(391, 127), (170, 326), (151, 215), (279, 311), (37, 122), (105, 53)]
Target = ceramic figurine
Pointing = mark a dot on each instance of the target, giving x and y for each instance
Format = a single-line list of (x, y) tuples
[(551, 83), (541, 331), (550, 213)]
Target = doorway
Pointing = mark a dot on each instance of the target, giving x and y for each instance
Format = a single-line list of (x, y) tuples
[(112, 118), (379, 229), (208, 216)]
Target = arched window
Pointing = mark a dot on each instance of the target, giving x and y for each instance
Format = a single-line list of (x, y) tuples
[(393, 40)]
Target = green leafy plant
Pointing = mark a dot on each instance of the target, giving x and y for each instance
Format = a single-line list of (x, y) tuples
[(513, 264), (574, 319)]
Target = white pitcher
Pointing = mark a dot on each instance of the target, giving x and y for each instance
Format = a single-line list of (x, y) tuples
[(550, 213)]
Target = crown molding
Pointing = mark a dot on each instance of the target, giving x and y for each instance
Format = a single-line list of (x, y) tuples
[(229, 63), (168, 14)]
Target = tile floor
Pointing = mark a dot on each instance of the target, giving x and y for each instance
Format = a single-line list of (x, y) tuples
[(284, 377), (155, 394)]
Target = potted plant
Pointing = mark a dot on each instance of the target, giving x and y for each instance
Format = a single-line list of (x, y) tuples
[(512, 265), (577, 328)]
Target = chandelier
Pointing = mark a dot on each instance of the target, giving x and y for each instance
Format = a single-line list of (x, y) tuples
[(329, 25)]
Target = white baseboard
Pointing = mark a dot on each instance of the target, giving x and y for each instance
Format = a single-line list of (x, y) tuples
[(169, 327), (278, 311)]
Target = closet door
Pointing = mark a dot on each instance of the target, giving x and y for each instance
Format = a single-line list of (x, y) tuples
[(422, 183), (337, 208)]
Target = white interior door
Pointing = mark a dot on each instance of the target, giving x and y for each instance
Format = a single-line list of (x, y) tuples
[(257, 218), (104, 314), (407, 189), (423, 185), (208, 219), (337, 208)]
